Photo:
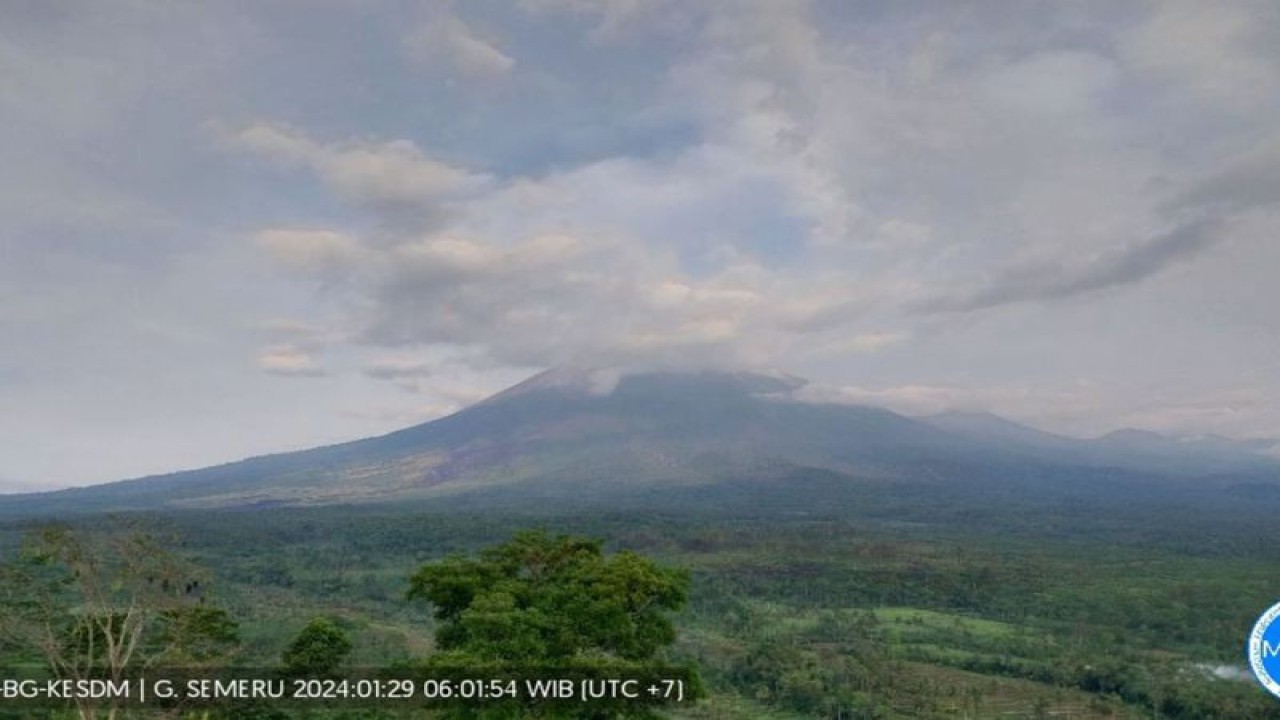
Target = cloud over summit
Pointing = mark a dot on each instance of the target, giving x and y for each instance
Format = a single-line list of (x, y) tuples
[(978, 205)]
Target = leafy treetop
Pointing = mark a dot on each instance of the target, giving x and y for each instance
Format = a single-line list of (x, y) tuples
[(544, 599), (320, 649)]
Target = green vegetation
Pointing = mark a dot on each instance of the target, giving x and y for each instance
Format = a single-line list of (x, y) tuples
[(550, 600), (552, 607), (107, 605), (319, 650), (1064, 613)]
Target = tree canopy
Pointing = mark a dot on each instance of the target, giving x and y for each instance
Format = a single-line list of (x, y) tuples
[(545, 603), (547, 598), (319, 649)]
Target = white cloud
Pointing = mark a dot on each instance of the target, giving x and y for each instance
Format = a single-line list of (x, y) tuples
[(1224, 52), (908, 399), (889, 189), (393, 177), (1089, 188), (829, 194), (1070, 408), (316, 253), (443, 42), (863, 343), (1056, 84), (289, 361), (614, 18)]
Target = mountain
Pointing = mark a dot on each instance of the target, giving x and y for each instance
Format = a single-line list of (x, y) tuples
[(589, 436), (1128, 448), (990, 428)]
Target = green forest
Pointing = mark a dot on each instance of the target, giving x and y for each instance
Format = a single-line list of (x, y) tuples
[(784, 614)]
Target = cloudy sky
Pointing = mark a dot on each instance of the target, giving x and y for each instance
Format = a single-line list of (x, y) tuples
[(235, 227)]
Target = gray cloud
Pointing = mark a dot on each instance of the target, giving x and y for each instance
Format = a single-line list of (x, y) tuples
[(1064, 278), (397, 370), (1244, 184), (1248, 182), (546, 300), (835, 145), (444, 201)]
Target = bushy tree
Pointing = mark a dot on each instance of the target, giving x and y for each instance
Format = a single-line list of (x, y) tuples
[(549, 604), (320, 649)]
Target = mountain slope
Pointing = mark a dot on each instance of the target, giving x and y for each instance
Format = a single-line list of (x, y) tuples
[(593, 437), (1137, 450)]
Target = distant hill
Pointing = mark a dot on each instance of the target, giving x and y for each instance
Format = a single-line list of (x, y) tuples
[(592, 437), (1139, 450)]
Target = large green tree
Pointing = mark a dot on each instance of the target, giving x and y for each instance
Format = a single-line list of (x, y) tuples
[(554, 606)]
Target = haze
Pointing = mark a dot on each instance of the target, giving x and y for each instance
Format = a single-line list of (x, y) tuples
[(240, 227)]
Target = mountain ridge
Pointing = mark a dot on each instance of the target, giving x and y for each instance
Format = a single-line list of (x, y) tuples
[(597, 435)]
